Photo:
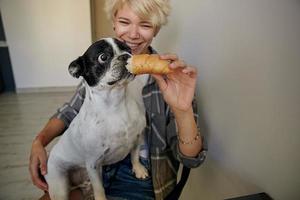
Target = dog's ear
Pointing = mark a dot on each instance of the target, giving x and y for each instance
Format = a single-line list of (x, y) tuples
[(77, 68)]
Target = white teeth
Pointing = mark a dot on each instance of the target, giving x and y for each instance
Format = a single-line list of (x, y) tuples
[(132, 44)]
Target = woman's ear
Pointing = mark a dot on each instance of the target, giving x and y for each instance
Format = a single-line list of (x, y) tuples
[(114, 22)]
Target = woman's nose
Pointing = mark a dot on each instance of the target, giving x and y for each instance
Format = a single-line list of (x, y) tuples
[(134, 32)]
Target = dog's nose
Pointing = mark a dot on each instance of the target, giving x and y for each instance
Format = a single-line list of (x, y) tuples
[(123, 57)]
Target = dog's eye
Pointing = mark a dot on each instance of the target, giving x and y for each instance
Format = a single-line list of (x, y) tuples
[(103, 58)]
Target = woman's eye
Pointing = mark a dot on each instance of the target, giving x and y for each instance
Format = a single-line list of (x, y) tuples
[(124, 22), (146, 26), (103, 58)]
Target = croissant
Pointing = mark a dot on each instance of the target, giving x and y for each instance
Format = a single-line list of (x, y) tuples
[(148, 64)]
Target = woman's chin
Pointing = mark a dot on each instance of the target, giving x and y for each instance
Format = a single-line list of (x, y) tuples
[(139, 50), (136, 51)]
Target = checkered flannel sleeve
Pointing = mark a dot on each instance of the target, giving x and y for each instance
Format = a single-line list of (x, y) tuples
[(70, 109)]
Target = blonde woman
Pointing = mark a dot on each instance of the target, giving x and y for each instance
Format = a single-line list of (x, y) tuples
[(172, 136)]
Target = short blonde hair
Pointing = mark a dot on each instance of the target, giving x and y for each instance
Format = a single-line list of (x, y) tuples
[(156, 11)]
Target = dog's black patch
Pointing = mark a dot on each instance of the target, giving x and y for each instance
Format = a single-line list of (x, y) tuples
[(95, 69), (123, 46), (88, 65)]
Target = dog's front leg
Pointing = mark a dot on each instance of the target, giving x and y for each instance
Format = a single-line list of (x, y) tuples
[(95, 175), (139, 170), (58, 181)]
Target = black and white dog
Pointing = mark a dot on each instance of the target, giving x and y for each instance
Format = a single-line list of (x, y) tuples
[(109, 124)]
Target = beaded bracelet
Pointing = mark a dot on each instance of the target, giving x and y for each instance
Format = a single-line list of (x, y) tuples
[(191, 141)]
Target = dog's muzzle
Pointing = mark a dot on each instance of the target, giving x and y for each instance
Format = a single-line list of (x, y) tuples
[(120, 71)]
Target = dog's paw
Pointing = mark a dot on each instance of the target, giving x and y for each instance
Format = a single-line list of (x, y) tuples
[(140, 171)]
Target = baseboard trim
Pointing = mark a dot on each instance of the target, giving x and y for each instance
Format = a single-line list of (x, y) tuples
[(46, 89)]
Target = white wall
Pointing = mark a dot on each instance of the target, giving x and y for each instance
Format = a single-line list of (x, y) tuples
[(44, 37), (248, 56)]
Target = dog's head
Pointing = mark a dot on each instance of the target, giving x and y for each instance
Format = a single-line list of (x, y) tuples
[(103, 64)]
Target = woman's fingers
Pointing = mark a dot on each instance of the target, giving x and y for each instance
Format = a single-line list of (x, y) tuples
[(192, 71), (38, 165), (168, 57), (175, 61), (160, 81), (177, 64), (43, 165), (35, 175)]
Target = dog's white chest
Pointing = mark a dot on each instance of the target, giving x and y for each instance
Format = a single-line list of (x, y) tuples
[(112, 125), (110, 130)]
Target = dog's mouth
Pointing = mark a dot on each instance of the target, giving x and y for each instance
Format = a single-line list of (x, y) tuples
[(120, 74), (113, 82), (116, 81)]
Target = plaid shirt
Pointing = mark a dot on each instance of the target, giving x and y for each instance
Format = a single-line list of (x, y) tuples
[(161, 135)]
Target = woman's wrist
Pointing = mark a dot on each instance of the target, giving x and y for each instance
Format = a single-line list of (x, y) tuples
[(53, 128), (190, 140), (181, 114), (40, 139), (189, 137)]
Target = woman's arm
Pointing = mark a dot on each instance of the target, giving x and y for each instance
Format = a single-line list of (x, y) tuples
[(38, 155), (189, 139), (54, 127), (178, 90)]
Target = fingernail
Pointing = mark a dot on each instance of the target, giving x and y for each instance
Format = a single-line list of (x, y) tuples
[(172, 65)]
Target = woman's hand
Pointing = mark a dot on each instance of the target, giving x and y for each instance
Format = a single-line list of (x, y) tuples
[(38, 155), (38, 164), (178, 88)]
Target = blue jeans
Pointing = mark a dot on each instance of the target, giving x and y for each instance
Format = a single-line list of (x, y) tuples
[(121, 184)]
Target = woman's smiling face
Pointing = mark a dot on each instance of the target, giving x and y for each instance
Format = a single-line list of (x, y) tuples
[(132, 30)]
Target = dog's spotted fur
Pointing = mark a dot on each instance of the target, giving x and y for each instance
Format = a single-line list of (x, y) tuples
[(109, 124)]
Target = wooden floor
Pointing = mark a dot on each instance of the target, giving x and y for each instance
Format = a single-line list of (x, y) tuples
[(21, 117)]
